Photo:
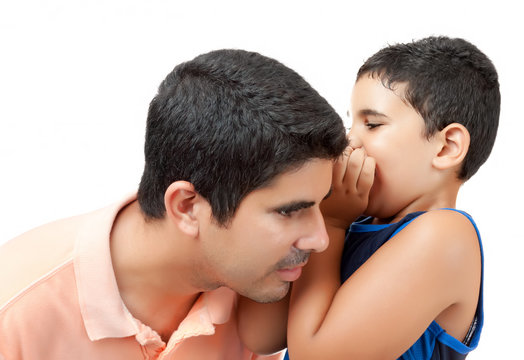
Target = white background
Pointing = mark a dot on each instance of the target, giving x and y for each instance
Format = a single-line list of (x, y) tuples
[(76, 78)]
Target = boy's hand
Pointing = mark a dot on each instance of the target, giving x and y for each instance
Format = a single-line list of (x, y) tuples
[(353, 175)]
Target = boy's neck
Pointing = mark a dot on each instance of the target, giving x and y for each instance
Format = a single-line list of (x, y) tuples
[(446, 197)]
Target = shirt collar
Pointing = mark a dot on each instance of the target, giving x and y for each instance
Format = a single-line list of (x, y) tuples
[(103, 310), (211, 308)]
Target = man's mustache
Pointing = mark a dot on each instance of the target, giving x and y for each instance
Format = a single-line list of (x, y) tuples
[(297, 257)]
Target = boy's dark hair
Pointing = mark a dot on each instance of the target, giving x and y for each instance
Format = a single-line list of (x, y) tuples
[(229, 122), (448, 81)]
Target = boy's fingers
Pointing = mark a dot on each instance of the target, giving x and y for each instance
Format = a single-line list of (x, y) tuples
[(340, 166), (367, 176), (354, 167)]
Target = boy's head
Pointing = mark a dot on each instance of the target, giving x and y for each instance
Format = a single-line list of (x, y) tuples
[(446, 81), (229, 122)]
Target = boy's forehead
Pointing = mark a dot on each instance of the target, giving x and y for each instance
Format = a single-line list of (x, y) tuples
[(371, 96)]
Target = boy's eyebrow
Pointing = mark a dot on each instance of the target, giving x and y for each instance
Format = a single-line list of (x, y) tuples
[(371, 112)]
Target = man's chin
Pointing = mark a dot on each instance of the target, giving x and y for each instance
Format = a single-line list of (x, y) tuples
[(266, 296)]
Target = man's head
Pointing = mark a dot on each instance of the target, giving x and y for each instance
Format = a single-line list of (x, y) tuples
[(239, 152), (446, 81), (229, 122)]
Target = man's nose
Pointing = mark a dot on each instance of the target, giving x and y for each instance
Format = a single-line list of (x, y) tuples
[(316, 239)]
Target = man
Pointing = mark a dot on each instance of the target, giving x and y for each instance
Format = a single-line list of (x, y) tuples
[(238, 156)]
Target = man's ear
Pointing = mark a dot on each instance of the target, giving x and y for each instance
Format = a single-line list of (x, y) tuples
[(453, 142), (181, 201)]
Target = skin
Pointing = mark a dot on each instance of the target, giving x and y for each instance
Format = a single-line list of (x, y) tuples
[(390, 131), (273, 230), (429, 271)]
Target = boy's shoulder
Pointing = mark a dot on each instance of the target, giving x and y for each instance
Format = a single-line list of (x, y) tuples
[(448, 234), (445, 221)]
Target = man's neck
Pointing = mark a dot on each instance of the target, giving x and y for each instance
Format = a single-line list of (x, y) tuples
[(151, 271)]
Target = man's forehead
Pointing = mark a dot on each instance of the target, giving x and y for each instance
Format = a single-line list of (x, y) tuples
[(301, 183), (296, 171)]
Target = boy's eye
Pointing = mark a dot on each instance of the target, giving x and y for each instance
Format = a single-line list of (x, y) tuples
[(372, 125)]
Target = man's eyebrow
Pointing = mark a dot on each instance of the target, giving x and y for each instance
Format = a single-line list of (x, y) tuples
[(371, 112), (299, 205), (295, 206)]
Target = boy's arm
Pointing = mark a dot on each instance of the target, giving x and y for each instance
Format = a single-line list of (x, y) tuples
[(430, 268), (313, 293)]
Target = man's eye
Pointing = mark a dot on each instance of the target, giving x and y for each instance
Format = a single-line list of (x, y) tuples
[(286, 213), (290, 210)]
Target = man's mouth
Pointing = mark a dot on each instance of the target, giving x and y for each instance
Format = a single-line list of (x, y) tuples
[(292, 273), (290, 267)]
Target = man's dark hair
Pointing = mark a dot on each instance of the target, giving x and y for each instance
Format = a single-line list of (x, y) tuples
[(448, 81), (229, 122)]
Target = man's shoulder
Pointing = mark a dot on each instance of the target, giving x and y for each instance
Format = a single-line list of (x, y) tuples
[(35, 253), (30, 311), (41, 314), (22, 289), (31, 256)]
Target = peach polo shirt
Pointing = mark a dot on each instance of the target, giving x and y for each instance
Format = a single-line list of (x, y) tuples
[(59, 300)]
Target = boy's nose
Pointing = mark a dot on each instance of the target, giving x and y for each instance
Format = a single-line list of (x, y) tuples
[(354, 140)]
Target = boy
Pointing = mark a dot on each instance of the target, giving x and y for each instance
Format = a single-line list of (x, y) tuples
[(425, 116)]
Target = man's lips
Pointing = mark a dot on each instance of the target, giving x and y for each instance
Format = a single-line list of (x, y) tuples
[(291, 274)]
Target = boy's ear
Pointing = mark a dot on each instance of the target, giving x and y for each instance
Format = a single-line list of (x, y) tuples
[(453, 142), (181, 202)]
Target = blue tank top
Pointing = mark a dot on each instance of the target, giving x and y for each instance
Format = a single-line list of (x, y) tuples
[(362, 240)]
